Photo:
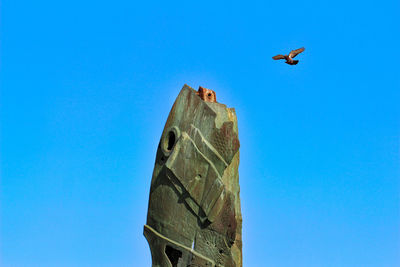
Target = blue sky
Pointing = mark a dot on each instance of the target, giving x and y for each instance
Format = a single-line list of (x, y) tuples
[(86, 87)]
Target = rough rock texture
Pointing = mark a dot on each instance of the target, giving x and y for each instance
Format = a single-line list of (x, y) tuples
[(194, 216)]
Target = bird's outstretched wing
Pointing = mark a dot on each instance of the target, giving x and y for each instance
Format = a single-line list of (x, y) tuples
[(294, 53), (278, 57)]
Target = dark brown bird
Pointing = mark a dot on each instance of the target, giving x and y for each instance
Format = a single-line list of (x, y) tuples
[(289, 58)]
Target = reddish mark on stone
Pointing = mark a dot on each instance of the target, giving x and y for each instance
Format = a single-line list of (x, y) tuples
[(206, 94)]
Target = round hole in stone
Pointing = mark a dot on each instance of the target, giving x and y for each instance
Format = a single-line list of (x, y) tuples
[(209, 94), (170, 140)]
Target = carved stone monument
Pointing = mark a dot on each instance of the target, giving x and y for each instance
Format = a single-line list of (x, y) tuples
[(194, 216)]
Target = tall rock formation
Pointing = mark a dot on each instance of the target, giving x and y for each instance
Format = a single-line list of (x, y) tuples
[(194, 216)]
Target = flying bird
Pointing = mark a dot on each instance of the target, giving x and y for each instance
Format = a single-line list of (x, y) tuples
[(289, 58)]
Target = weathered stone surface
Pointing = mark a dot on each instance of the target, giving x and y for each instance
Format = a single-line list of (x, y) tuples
[(194, 216)]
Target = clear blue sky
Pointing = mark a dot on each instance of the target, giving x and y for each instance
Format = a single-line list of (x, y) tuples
[(86, 87)]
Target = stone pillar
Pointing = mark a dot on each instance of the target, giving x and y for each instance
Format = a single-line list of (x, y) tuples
[(194, 216)]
